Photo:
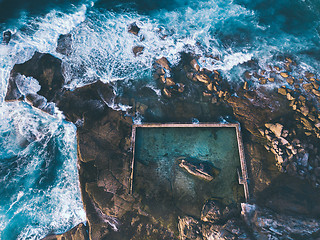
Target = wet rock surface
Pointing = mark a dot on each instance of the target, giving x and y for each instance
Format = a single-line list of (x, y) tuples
[(270, 225), (64, 44), (43, 67), (280, 132), (6, 37), (79, 232)]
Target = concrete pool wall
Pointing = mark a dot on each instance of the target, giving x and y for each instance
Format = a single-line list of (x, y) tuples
[(242, 177), (167, 188)]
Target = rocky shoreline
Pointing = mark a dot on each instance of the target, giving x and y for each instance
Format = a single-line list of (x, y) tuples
[(281, 135)]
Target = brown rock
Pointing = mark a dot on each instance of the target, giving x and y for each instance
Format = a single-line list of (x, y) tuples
[(290, 80), (316, 92), (307, 86), (245, 85), (189, 228), (284, 74), (275, 128), (170, 82), (207, 94), (263, 80), (180, 87), (306, 123), (247, 75), (162, 79), (191, 75), (137, 50), (304, 110), (282, 90), (79, 232), (210, 87), (163, 62), (194, 64), (167, 92), (316, 85), (134, 29), (309, 75), (202, 77), (47, 69), (211, 211), (271, 79), (290, 96)]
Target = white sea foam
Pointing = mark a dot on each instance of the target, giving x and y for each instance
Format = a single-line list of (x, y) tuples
[(52, 205)]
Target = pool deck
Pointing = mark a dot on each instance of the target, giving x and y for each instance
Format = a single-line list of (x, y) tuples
[(243, 178)]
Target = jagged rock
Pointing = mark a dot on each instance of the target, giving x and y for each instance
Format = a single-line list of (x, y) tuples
[(282, 91), (284, 74), (211, 211), (167, 92), (316, 92), (309, 75), (134, 29), (247, 75), (308, 86), (232, 229), (267, 224), (290, 80), (170, 82), (189, 228), (164, 63), (194, 64), (290, 97), (47, 70), (245, 85), (64, 44), (91, 100), (6, 37), (306, 123), (137, 50), (263, 80), (180, 87), (202, 77), (275, 128), (79, 232)]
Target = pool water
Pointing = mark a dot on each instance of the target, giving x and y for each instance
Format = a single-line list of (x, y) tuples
[(170, 191)]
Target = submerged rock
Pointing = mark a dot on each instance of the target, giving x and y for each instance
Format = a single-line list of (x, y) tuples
[(6, 37), (64, 44), (201, 169)]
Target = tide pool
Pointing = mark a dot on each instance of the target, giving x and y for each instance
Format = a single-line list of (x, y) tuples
[(169, 189)]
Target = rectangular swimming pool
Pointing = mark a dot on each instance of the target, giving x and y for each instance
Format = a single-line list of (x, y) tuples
[(168, 186)]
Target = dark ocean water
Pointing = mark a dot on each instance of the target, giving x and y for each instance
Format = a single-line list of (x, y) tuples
[(39, 174)]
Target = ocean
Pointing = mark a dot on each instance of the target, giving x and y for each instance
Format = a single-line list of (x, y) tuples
[(40, 191)]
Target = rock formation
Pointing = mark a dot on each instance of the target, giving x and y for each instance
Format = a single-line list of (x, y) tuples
[(285, 123)]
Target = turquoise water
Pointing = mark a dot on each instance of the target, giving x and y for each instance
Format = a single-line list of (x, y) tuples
[(39, 191), (166, 186)]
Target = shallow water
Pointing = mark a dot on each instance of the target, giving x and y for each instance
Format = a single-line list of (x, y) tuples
[(169, 189)]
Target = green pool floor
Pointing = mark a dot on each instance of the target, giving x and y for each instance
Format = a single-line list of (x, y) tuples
[(168, 190)]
